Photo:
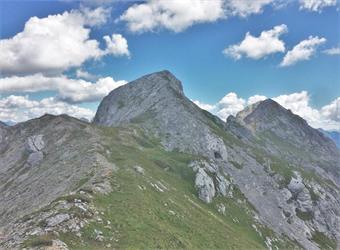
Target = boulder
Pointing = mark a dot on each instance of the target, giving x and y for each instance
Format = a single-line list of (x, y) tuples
[(296, 185), (57, 219), (205, 186)]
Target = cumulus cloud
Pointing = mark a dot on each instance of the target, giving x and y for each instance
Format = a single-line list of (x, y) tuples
[(332, 51), (302, 51), (178, 15), (116, 45), (256, 98), (61, 41), (230, 104), (85, 75), (245, 8), (175, 15), (332, 110), (204, 106), (21, 108), (327, 117), (298, 103), (69, 90), (257, 47), (316, 5)]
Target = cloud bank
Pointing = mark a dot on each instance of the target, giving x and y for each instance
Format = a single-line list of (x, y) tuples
[(63, 37)]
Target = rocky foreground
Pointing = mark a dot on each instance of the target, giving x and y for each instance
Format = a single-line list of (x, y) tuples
[(153, 170)]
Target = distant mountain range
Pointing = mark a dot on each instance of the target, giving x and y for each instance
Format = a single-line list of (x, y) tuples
[(334, 135), (153, 170)]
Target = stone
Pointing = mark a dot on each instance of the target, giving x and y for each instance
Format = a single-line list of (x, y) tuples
[(222, 185), (205, 186), (221, 208), (296, 185), (57, 219), (139, 169)]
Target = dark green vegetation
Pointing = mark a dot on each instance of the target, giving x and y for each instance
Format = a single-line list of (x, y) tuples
[(160, 208), (323, 241), (39, 241)]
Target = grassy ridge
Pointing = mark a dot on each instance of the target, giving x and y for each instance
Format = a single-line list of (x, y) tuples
[(160, 208)]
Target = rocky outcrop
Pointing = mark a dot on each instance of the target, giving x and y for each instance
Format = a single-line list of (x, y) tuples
[(205, 186), (296, 185), (47, 158), (34, 146)]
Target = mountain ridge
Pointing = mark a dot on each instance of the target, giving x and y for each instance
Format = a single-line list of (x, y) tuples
[(153, 151)]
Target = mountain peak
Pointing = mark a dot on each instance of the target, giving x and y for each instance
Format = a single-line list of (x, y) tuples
[(266, 112), (156, 102), (162, 78), (270, 121)]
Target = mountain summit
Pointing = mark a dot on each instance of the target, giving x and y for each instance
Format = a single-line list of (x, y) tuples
[(157, 103)]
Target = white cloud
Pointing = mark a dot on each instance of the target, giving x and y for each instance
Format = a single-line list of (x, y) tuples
[(70, 90), (327, 117), (332, 51), (175, 15), (21, 108), (316, 5), (255, 99), (332, 111), (85, 75), (60, 42), (257, 47), (204, 106), (230, 104), (116, 45), (178, 15), (298, 103), (245, 8), (302, 51)]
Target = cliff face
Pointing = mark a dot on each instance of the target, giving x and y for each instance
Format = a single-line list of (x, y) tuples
[(154, 164)]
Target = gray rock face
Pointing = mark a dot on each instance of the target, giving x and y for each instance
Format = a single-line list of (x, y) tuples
[(157, 103), (222, 185), (296, 185), (34, 146), (35, 143), (44, 159), (205, 186), (290, 137)]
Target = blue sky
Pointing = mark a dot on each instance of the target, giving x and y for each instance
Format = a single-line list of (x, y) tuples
[(192, 50)]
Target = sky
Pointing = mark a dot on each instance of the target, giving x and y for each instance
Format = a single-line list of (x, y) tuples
[(64, 56)]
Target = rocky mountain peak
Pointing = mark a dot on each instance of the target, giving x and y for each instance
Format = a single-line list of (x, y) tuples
[(156, 102), (284, 131), (268, 111), (165, 77)]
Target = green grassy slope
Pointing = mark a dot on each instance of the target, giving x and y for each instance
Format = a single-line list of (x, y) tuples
[(160, 208)]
